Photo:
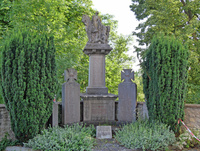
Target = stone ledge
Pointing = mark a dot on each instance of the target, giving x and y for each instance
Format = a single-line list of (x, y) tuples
[(16, 148), (84, 95), (192, 105), (2, 106)]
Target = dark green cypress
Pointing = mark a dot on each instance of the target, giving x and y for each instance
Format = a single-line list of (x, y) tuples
[(165, 79), (28, 80)]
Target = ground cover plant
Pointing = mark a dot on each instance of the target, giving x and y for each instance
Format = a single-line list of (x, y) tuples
[(7, 142), (72, 138), (186, 140), (146, 135)]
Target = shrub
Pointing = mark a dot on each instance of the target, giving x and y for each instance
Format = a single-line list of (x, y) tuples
[(165, 80), (145, 135), (6, 142), (71, 138), (28, 80)]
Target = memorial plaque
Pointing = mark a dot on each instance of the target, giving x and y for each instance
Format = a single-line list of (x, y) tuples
[(104, 132)]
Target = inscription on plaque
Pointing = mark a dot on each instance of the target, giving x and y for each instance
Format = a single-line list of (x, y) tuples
[(99, 111), (104, 132)]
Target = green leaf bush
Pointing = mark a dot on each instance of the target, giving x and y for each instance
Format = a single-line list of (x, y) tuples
[(29, 80), (145, 135), (165, 80), (70, 138), (7, 142)]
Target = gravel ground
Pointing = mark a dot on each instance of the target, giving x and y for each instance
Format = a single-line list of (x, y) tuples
[(109, 145), (112, 145)]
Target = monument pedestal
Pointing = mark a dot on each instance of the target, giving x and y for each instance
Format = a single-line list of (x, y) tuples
[(98, 107)]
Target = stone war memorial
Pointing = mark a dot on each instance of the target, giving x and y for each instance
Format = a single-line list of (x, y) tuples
[(98, 105)]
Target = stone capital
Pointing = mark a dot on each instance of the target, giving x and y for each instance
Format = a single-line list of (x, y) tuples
[(96, 48)]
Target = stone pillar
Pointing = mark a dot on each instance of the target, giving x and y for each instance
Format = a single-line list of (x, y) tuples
[(127, 91), (55, 113), (70, 98), (96, 53), (98, 105)]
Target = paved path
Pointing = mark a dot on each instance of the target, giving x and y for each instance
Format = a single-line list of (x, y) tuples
[(110, 145)]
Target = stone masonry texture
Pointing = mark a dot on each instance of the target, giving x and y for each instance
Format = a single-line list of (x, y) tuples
[(5, 126), (192, 116)]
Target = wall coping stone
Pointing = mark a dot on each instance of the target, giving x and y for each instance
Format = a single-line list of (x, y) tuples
[(193, 105), (2, 106)]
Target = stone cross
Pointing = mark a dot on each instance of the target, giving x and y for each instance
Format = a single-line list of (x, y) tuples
[(127, 75), (127, 92), (70, 98), (70, 75)]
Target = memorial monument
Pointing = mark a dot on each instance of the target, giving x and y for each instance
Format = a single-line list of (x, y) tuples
[(98, 105), (127, 91), (70, 98)]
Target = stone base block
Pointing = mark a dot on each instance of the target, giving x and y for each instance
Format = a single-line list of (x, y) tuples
[(99, 91), (98, 108)]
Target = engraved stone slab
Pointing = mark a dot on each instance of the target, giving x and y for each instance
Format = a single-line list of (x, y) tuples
[(98, 107), (70, 98), (127, 91), (104, 132)]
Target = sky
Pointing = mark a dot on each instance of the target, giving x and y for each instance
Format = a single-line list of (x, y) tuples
[(125, 17)]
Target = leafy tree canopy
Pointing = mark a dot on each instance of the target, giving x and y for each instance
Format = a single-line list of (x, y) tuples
[(63, 19), (172, 17)]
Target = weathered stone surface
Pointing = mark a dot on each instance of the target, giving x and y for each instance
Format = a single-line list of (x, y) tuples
[(55, 113), (5, 125), (104, 132), (96, 31), (127, 91), (192, 116), (98, 107), (70, 98), (145, 112)]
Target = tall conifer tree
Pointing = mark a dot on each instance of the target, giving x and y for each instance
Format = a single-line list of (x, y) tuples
[(28, 80), (165, 79)]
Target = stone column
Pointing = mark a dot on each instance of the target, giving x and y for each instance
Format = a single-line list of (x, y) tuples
[(127, 91), (96, 53)]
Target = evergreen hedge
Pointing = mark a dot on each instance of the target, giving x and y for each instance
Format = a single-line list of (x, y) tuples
[(28, 80), (165, 80)]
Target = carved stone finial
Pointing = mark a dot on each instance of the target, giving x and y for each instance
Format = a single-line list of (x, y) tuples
[(96, 31), (70, 75), (127, 75)]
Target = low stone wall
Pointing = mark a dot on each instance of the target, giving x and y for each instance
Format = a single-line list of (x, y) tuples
[(5, 126), (192, 115)]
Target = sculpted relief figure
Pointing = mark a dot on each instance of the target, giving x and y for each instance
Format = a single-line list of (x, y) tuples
[(96, 31)]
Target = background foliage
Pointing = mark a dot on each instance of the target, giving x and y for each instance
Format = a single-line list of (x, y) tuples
[(63, 20), (165, 80), (180, 18)]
